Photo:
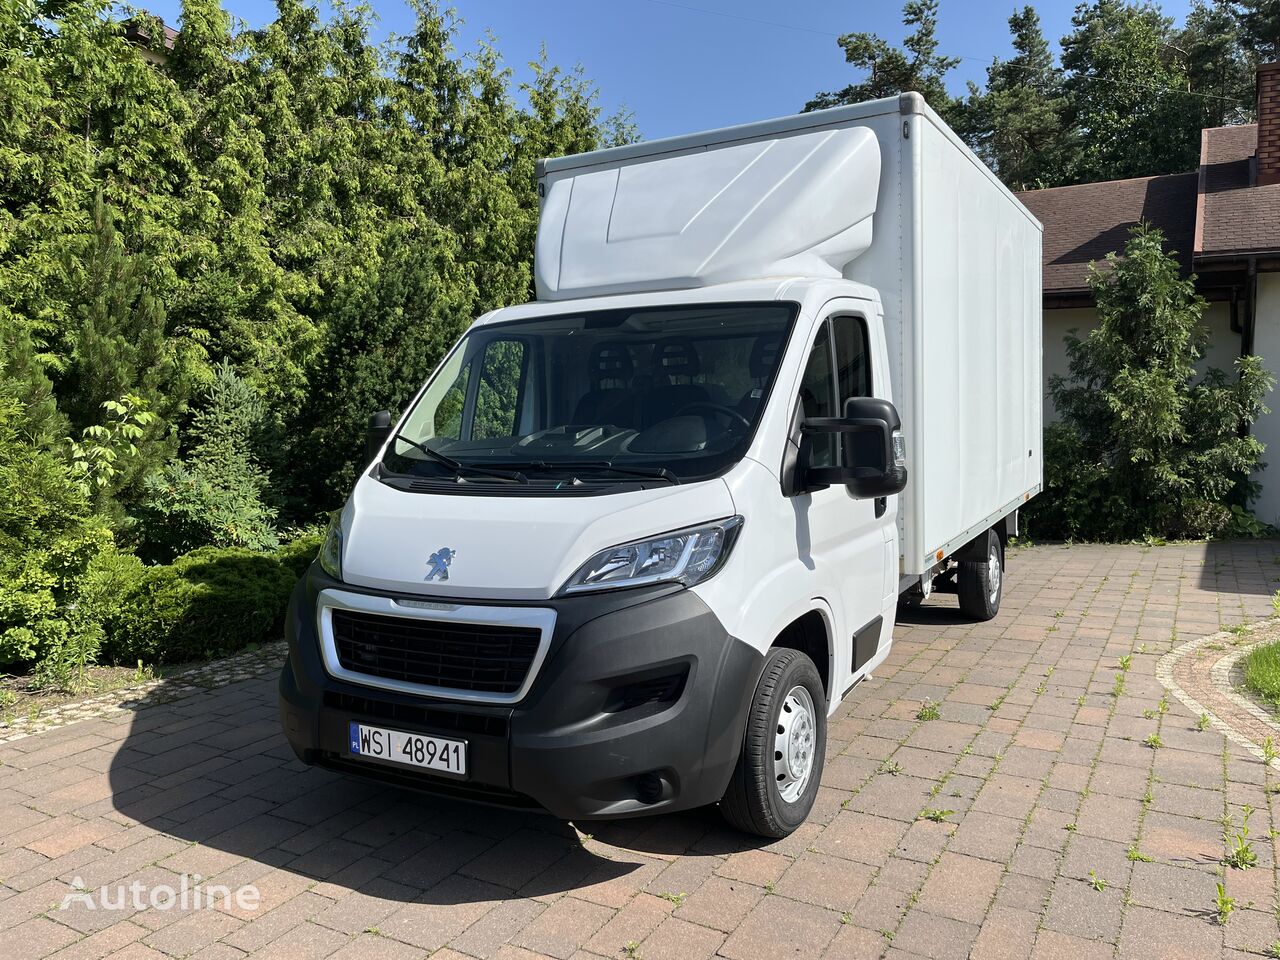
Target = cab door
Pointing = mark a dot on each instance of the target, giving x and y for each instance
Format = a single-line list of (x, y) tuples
[(850, 539)]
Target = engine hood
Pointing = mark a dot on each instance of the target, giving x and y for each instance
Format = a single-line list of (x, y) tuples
[(495, 547)]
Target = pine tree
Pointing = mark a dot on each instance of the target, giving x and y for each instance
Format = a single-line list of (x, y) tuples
[(115, 345), (214, 496), (1016, 124), (1260, 28), (1219, 71), (916, 66)]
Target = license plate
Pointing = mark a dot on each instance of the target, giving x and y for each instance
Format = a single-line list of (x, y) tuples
[(410, 749)]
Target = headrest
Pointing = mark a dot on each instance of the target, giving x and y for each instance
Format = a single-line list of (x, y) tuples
[(676, 357), (611, 360), (764, 355)]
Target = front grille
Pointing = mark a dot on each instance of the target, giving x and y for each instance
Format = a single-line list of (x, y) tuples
[(481, 658)]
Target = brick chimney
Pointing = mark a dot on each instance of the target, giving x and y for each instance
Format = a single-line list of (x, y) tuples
[(1268, 123)]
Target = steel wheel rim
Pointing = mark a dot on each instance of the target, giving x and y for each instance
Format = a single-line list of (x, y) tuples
[(794, 744), (994, 573)]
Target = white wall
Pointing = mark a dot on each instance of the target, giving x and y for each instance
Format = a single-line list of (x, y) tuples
[(1223, 348), (1266, 344)]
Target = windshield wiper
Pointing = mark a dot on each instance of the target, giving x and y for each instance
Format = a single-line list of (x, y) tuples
[(647, 473), (458, 467)]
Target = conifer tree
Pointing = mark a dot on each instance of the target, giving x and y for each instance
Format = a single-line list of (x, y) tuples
[(1145, 447), (917, 65)]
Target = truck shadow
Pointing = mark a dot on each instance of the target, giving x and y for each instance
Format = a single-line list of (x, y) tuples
[(1241, 566), (940, 610), (212, 769)]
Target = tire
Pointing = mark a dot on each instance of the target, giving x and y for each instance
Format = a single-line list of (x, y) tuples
[(980, 583), (767, 796)]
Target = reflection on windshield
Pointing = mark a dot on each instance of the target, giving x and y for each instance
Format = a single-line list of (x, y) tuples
[(664, 393)]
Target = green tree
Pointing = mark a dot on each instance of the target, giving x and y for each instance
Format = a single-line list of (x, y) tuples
[(233, 299), (115, 340), (464, 157), (114, 344), (386, 334), (214, 495), (1144, 446), (1016, 124), (1219, 71), (917, 65), (1260, 27), (562, 119), (1126, 90)]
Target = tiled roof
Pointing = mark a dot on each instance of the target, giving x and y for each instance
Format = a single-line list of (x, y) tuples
[(1234, 216), (1085, 222), (137, 31)]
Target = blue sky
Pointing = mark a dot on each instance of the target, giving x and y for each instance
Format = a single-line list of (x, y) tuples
[(687, 65)]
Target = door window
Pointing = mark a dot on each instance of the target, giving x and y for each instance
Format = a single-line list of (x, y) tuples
[(853, 368), (817, 398), (853, 361)]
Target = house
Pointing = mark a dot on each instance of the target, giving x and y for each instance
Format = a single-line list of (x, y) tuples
[(139, 31), (1222, 221)]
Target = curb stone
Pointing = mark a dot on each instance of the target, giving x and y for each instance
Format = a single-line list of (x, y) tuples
[(1220, 677)]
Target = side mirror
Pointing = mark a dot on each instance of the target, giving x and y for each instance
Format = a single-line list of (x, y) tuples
[(379, 431), (872, 451)]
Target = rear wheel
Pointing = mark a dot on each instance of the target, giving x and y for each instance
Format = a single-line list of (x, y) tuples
[(783, 749), (980, 583)]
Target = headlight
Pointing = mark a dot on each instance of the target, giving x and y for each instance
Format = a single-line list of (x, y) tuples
[(684, 556), (330, 556)]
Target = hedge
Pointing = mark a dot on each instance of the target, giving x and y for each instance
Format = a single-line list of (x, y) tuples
[(208, 603)]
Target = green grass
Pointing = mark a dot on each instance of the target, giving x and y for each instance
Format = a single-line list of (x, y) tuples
[(1262, 672), (937, 816)]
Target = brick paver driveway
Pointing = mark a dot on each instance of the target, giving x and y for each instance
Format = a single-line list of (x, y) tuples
[(1060, 832)]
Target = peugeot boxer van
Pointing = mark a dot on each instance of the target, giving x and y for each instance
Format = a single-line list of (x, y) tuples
[(632, 544)]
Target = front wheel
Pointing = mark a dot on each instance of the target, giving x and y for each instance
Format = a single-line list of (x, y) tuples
[(980, 583), (783, 749)]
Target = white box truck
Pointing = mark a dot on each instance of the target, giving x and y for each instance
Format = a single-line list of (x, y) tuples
[(632, 544)]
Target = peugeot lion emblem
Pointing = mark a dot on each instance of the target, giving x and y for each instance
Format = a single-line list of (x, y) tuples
[(439, 563)]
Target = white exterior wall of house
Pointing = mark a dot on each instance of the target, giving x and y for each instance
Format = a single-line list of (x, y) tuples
[(1266, 344), (1224, 346)]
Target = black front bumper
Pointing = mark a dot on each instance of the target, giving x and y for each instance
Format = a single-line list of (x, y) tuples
[(583, 742)]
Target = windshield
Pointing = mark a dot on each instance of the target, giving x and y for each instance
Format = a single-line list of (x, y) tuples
[(664, 394)]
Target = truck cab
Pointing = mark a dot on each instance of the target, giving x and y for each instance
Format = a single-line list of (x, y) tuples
[(631, 545)]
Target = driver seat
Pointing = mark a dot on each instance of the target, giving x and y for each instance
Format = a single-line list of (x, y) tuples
[(611, 399), (674, 358)]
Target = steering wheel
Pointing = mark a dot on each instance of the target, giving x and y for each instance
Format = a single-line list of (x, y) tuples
[(720, 408)]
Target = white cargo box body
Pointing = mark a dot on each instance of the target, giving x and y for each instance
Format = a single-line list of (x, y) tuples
[(882, 193)]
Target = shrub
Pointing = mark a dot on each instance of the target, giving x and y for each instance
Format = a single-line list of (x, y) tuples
[(298, 553), (207, 603), (1144, 448), (47, 539), (215, 497), (106, 579)]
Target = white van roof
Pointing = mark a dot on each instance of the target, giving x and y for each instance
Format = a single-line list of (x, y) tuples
[(792, 196)]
